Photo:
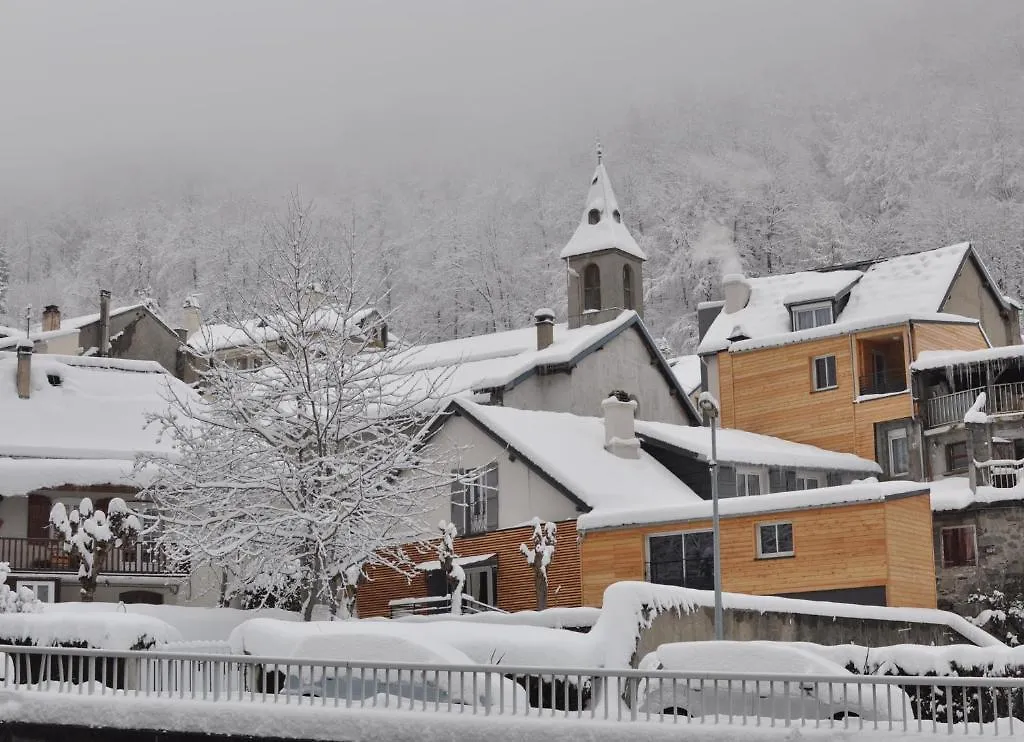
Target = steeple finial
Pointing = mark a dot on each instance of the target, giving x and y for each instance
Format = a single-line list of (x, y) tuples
[(600, 152)]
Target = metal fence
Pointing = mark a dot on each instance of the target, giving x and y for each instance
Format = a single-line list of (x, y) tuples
[(925, 705)]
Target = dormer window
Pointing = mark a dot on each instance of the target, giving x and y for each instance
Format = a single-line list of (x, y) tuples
[(593, 216), (812, 315)]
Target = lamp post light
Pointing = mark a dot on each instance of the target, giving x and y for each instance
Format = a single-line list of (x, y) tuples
[(709, 408)]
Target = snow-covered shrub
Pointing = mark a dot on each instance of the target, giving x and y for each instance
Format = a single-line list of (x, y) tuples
[(21, 600), (450, 567), (1002, 615), (88, 534), (539, 553)]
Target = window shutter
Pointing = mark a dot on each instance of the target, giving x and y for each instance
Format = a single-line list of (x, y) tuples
[(458, 505), (726, 481), (775, 480), (491, 490), (833, 479), (437, 583), (790, 479)]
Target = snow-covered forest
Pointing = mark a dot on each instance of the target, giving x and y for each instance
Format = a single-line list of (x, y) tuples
[(904, 134)]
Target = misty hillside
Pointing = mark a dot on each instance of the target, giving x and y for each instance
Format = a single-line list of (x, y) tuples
[(753, 138)]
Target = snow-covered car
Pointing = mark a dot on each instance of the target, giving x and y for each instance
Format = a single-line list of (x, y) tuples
[(389, 686), (803, 697)]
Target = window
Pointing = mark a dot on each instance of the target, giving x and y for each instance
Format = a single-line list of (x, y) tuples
[(774, 540), (475, 501), (617, 216), (959, 547), (825, 373), (480, 584), (899, 452), (682, 559), (593, 216), (807, 481), (591, 288), (627, 288), (45, 591), (956, 456), (812, 315), (748, 482)]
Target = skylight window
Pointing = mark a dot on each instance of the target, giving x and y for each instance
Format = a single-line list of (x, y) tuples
[(812, 315)]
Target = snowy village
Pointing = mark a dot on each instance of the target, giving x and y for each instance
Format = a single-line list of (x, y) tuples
[(663, 416)]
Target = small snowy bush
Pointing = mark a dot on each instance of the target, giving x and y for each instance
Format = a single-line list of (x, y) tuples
[(1002, 615), (88, 534), (539, 553), (21, 600)]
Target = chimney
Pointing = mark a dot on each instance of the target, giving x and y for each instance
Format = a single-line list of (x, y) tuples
[(619, 428), (192, 317), (51, 318), (23, 377), (737, 292), (544, 320), (104, 323)]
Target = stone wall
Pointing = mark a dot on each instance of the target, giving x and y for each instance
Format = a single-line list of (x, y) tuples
[(999, 529), (745, 625)]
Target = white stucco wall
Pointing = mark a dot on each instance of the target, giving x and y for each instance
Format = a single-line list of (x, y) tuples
[(624, 363), (522, 494)]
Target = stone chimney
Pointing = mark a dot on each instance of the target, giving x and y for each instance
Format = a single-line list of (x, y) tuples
[(104, 323), (619, 426), (51, 318), (737, 292), (192, 317), (23, 377), (544, 320)]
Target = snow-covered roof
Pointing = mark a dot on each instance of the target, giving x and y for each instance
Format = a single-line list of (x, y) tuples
[(687, 370), (885, 292), (609, 233), (89, 427), (954, 493), (570, 450), (435, 565), (222, 336), (743, 447), (932, 359), (81, 321), (36, 336), (460, 368), (868, 490)]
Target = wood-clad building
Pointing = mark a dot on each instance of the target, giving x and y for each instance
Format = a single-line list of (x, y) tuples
[(861, 544)]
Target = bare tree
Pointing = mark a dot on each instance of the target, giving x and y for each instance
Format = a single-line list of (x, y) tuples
[(296, 476)]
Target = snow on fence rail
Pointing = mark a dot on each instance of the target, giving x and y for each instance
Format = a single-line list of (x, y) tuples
[(900, 704)]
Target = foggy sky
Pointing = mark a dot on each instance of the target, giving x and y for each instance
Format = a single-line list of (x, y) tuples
[(107, 96)]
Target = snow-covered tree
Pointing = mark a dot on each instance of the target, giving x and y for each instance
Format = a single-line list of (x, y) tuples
[(450, 567), (297, 476), (88, 534), (539, 553), (21, 600)]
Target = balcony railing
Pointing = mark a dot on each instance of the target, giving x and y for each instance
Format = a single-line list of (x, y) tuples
[(1000, 472), (949, 409), (888, 382), (47, 555), (438, 605)]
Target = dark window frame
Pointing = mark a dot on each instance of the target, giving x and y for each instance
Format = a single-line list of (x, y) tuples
[(591, 287), (959, 545), (628, 301)]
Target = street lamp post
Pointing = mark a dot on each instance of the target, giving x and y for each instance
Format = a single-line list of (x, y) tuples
[(709, 408)]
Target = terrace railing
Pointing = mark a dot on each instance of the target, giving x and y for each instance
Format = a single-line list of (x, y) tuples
[(1000, 472), (926, 706), (949, 409), (47, 555), (437, 605)]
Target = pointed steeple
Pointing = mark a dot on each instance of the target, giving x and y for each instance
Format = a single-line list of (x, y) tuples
[(601, 226)]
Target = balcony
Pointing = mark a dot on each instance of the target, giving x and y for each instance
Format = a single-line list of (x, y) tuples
[(949, 409), (883, 382), (47, 555)]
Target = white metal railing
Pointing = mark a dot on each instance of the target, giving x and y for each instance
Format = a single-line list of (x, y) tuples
[(948, 409), (1000, 472), (926, 705), (438, 605)]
